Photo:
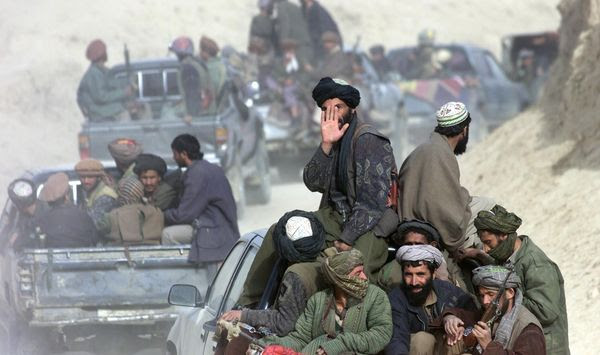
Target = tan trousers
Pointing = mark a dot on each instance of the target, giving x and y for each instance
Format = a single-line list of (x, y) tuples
[(177, 234)]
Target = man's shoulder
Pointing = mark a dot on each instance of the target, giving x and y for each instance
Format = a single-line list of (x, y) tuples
[(531, 253), (446, 288)]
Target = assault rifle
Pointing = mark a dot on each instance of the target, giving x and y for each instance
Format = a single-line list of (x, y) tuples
[(489, 317)]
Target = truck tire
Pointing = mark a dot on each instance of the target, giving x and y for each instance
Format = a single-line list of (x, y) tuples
[(261, 193)]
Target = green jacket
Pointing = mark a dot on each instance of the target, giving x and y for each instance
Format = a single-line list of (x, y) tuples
[(367, 327), (543, 293), (163, 197), (99, 96), (217, 74)]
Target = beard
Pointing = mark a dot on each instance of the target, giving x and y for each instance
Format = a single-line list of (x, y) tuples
[(346, 118), (461, 147), (417, 299)]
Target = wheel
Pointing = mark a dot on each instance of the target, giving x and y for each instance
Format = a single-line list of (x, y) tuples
[(260, 193)]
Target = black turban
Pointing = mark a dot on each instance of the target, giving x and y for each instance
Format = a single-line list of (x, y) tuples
[(302, 248), (150, 162), (328, 88)]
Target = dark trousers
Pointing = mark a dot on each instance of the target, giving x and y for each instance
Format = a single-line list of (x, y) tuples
[(374, 250)]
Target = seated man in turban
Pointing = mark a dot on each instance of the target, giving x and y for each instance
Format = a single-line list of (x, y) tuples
[(22, 194), (99, 97), (63, 224), (150, 170), (124, 151), (352, 169), (514, 331), (429, 183), (133, 222), (418, 303), (99, 197), (298, 237), (543, 284), (351, 316)]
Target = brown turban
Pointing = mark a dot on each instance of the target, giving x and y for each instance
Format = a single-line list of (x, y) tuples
[(89, 167), (55, 188), (96, 50), (124, 150), (209, 46)]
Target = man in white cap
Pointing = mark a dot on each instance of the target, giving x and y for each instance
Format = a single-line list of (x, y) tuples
[(417, 304), (429, 182)]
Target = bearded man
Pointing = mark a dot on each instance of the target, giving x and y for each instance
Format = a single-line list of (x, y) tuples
[(151, 170), (351, 316), (514, 331), (99, 197), (420, 301), (543, 284), (352, 169), (429, 182)]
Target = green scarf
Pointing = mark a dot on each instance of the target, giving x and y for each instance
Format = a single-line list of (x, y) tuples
[(504, 250), (336, 269)]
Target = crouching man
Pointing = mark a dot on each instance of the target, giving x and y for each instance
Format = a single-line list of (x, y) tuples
[(420, 301), (351, 316), (514, 330)]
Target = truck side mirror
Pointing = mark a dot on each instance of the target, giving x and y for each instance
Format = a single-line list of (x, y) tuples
[(185, 295)]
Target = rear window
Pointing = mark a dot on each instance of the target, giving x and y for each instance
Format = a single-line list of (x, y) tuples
[(172, 87), (152, 84)]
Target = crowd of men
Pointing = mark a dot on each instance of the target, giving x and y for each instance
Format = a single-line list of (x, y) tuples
[(138, 205), (462, 280)]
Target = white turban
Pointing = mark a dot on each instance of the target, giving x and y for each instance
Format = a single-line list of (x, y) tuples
[(421, 252)]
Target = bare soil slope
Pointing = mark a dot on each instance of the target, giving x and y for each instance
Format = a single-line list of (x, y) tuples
[(544, 166)]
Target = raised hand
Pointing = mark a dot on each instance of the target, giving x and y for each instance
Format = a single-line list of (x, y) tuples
[(331, 131)]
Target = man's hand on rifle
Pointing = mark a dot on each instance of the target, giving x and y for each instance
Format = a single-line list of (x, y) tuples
[(331, 131), (483, 334), (231, 316), (454, 328)]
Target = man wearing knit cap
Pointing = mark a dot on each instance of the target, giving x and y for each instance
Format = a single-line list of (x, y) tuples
[(99, 197), (99, 97), (150, 170), (514, 331), (217, 73), (133, 222), (298, 238), (352, 169), (124, 151), (351, 316), (418, 303), (63, 225), (543, 284), (429, 182)]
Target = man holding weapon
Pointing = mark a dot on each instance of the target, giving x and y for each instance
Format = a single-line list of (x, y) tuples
[(506, 326)]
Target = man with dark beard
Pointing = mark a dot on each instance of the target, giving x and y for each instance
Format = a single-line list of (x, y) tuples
[(429, 182), (206, 215), (420, 301), (352, 169)]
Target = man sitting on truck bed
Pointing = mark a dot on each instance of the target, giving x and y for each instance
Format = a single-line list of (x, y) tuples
[(98, 96), (206, 215), (63, 225), (22, 193), (151, 169), (100, 198)]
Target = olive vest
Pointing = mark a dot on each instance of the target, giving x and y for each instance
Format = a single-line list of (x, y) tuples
[(101, 190)]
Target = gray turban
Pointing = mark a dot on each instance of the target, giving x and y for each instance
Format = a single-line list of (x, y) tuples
[(492, 276), (422, 252)]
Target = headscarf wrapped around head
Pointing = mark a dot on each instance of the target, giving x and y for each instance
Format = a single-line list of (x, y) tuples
[(421, 252), (329, 88), (493, 276), (124, 150), (146, 162), (96, 50), (337, 267), (298, 236), (131, 191), (498, 220)]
